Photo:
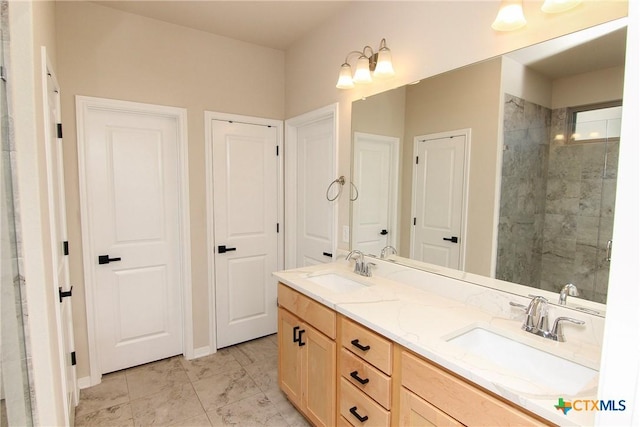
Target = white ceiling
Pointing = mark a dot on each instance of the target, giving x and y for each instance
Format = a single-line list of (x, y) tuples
[(275, 24)]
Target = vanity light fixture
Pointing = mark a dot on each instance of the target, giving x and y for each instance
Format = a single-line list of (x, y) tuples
[(511, 16), (368, 61)]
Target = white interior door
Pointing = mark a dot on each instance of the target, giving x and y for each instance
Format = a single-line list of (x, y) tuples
[(375, 171), (60, 249), (315, 213), (245, 207), (439, 187), (130, 157)]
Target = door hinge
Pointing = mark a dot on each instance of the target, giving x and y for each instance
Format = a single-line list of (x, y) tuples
[(414, 220), (62, 294), (416, 160), (73, 358), (3, 76), (277, 150), (59, 129), (65, 247), (277, 227)]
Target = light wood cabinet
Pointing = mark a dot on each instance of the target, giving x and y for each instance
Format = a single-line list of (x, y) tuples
[(454, 397), (365, 366), (307, 357), (415, 412)]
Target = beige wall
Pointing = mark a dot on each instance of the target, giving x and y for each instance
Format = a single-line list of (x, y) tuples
[(110, 54), (588, 88), (473, 93), (521, 81), (32, 25)]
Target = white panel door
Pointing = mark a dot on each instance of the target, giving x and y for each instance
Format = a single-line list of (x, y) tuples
[(375, 171), (245, 206), (438, 200), (315, 213), (60, 249), (132, 186)]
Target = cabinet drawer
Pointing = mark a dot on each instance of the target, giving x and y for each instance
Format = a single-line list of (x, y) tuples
[(342, 422), (459, 399), (353, 400), (417, 412), (366, 344), (378, 385), (314, 313)]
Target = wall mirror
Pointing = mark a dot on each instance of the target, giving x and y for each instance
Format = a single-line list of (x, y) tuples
[(502, 169)]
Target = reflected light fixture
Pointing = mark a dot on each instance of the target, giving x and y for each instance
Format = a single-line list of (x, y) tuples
[(510, 16), (368, 61), (557, 6)]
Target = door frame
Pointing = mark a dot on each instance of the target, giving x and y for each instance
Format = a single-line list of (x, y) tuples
[(291, 171), (84, 104), (465, 187), (394, 173), (208, 149), (49, 144)]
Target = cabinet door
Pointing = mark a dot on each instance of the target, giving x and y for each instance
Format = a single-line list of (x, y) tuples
[(415, 412), (290, 356), (319, 377)]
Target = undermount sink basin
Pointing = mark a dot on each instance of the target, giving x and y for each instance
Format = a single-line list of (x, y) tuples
[(336, 283), (539, 367)]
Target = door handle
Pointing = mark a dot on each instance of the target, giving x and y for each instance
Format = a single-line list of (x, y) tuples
[(329, 254), (65, 294), (453, 239), (384, 232), (223, 248), (104, 259)]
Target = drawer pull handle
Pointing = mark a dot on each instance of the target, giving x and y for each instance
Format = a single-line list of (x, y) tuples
[(355, 376), (356, 343), (354, 412), (300, 343), (295, 331)]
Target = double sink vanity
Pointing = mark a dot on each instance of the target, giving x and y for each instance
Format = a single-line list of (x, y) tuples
[(409, 347)]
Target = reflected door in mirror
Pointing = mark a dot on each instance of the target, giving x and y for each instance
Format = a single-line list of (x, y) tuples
[(375, 172), (439, 199)]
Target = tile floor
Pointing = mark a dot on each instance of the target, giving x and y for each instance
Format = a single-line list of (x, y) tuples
[(236, 386)]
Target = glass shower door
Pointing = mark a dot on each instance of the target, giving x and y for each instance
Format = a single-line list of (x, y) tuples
[(15, 401)]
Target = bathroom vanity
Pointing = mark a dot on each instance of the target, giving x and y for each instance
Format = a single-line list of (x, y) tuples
[(408, 347)]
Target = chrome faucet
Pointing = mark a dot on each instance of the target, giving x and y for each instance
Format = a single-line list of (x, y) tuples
[(389, 248), (362, 267), (536, 319), (568, 289)]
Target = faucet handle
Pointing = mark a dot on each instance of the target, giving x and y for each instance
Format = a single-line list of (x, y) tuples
[(556, 331)]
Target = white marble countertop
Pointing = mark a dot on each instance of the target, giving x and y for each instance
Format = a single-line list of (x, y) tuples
[(423, 321)]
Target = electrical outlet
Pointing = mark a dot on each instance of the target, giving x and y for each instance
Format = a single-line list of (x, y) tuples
[(345, 234)]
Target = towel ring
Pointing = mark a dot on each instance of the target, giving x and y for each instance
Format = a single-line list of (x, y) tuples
[(335, 181), (353, 188)]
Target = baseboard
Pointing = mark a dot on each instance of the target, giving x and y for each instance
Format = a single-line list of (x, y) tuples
[(84, 382), (202, 351)]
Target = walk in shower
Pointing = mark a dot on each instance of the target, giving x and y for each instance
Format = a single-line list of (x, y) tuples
[(15, 399), (558, 191)]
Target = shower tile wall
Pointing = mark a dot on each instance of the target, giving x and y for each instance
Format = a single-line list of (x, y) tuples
[(557, 203), (581, 189), (523, 190)]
